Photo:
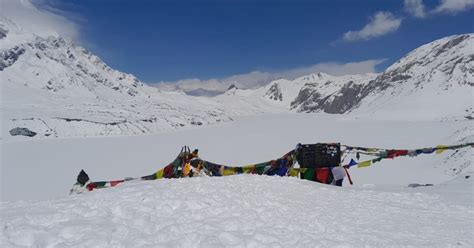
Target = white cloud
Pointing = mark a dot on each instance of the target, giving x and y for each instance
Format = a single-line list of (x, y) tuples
[(39, 17), (256, 79), (454, 6), (382, 23), (385, 22), (247, 80), (415, 8)]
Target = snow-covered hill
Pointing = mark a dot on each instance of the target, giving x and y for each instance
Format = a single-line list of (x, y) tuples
[(245, 211)]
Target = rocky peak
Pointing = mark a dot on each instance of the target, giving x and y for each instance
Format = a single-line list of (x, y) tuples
[(274, 93), (232, 87), (231, 90)]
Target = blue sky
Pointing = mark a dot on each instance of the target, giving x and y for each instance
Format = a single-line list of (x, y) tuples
[(202, 40)]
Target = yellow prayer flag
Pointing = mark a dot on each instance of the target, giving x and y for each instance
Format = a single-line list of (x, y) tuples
[(228, 172), (294, 172), (186, 169), (364, 164), (159, 174), (246, 170), (440, 149)]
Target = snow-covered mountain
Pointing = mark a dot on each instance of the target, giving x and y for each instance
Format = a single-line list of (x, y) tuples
[(325, 93), (55, 88), (318, 92), (433, 81), (436, 80)]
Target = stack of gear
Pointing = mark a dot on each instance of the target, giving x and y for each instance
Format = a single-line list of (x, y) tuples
[(321, 163)]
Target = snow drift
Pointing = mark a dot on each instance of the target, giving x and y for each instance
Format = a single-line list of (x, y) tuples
[(244, 211)]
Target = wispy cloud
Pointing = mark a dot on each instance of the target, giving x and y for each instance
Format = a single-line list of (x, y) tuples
[(40, 18), (380, 24), (385, 22), (415, 7), (256, 79), (454, 6)]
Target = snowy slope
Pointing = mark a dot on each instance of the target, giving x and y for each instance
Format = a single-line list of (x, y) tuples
[(244, 211), (433, 81)]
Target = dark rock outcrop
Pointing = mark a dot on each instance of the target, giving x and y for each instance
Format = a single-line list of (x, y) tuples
[(231, 87), (22, 131), (3, 33), (9, 57), (339, 102), (274, 93)]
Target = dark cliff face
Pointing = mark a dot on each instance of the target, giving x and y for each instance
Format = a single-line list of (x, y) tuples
[(3, 32), (348, 97), (308, 99), (10, 56), (275, 93), (339, 102)]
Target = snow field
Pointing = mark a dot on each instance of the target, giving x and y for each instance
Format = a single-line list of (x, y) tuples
[(45, 169), (241, 211)]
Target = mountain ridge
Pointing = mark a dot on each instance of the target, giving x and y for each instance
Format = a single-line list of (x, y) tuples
[(437, 68), (58, 89)]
